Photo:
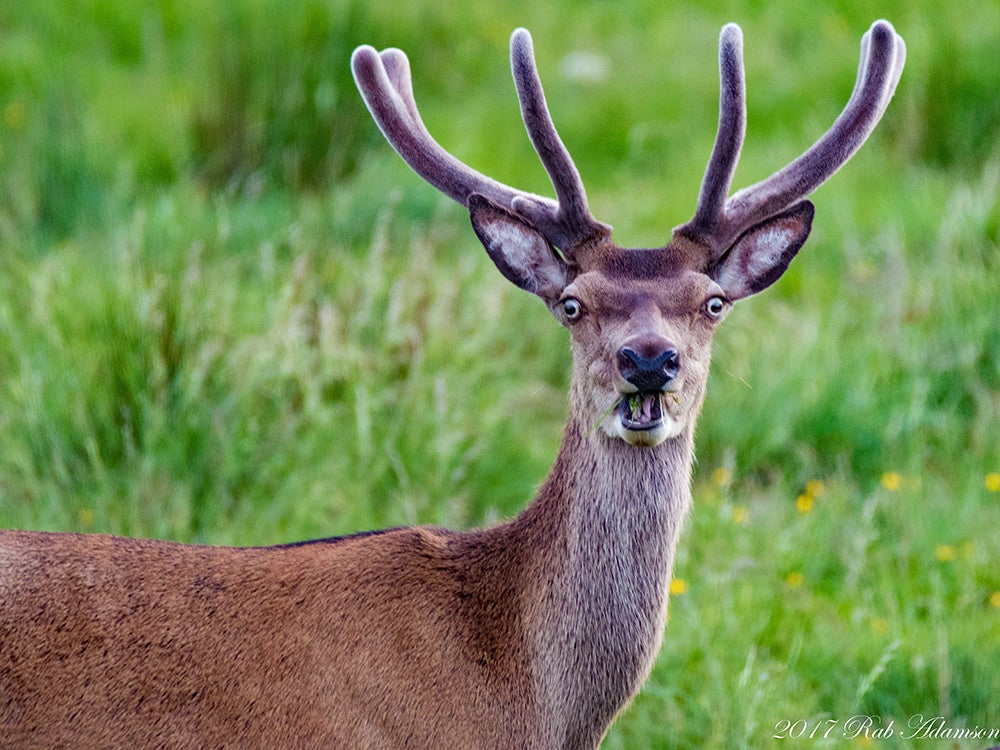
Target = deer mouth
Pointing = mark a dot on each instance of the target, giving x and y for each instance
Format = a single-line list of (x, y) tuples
[(642, 411)]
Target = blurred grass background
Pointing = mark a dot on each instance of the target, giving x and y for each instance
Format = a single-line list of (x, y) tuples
[(230, 314)]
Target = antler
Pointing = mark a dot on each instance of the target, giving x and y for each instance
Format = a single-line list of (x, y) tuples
[(385, 83), (719, 222), (728, 138)]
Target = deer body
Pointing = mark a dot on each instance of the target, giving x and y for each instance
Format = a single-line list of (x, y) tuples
[(531, 634), (332, 644), (414, 637)]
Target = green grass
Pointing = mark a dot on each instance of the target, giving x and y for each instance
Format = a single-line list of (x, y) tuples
[(229, 314)]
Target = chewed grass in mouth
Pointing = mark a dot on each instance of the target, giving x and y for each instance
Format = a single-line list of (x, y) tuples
[(643, 410), (639, 412)]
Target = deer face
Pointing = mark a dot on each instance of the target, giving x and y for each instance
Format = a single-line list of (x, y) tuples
[(641, 321), (641, 345)]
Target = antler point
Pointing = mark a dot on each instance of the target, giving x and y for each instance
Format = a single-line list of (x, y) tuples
[(363, 55), (520, 42), (731, 30)]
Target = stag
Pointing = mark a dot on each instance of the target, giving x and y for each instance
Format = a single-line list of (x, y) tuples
[(534, 633)]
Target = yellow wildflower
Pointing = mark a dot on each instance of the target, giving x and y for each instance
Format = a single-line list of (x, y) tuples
[(992, 481), (678, 586), (722, 477), (995, 600), (944, 553), (740, 514), (815, 488), (891, 481), (804, 503), (794, 580)]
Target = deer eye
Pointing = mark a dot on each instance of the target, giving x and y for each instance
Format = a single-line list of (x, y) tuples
[(572, 308), (714, 307)]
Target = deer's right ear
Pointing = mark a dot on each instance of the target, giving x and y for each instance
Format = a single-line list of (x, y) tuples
[(519, 250)]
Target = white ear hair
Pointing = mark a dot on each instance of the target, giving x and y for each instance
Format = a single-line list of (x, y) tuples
[(762, 255), (520, 251)]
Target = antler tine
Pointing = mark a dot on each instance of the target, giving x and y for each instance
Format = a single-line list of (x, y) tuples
[(883, 54), (572, 220), (728, 139), (387, 87)]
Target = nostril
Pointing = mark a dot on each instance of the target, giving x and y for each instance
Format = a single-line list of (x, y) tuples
[(628, 361), (671, 360)]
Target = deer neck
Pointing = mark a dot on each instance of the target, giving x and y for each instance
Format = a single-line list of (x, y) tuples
[(605, 525)]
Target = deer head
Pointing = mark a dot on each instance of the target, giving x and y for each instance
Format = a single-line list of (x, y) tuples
[(641, 320)]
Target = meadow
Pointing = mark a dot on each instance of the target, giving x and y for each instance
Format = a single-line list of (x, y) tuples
[(229, 314)]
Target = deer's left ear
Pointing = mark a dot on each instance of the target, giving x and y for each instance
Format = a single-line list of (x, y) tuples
[(519, 250), (763, 252)]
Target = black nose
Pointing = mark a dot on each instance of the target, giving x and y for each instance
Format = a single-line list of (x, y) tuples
[(649, 373)]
